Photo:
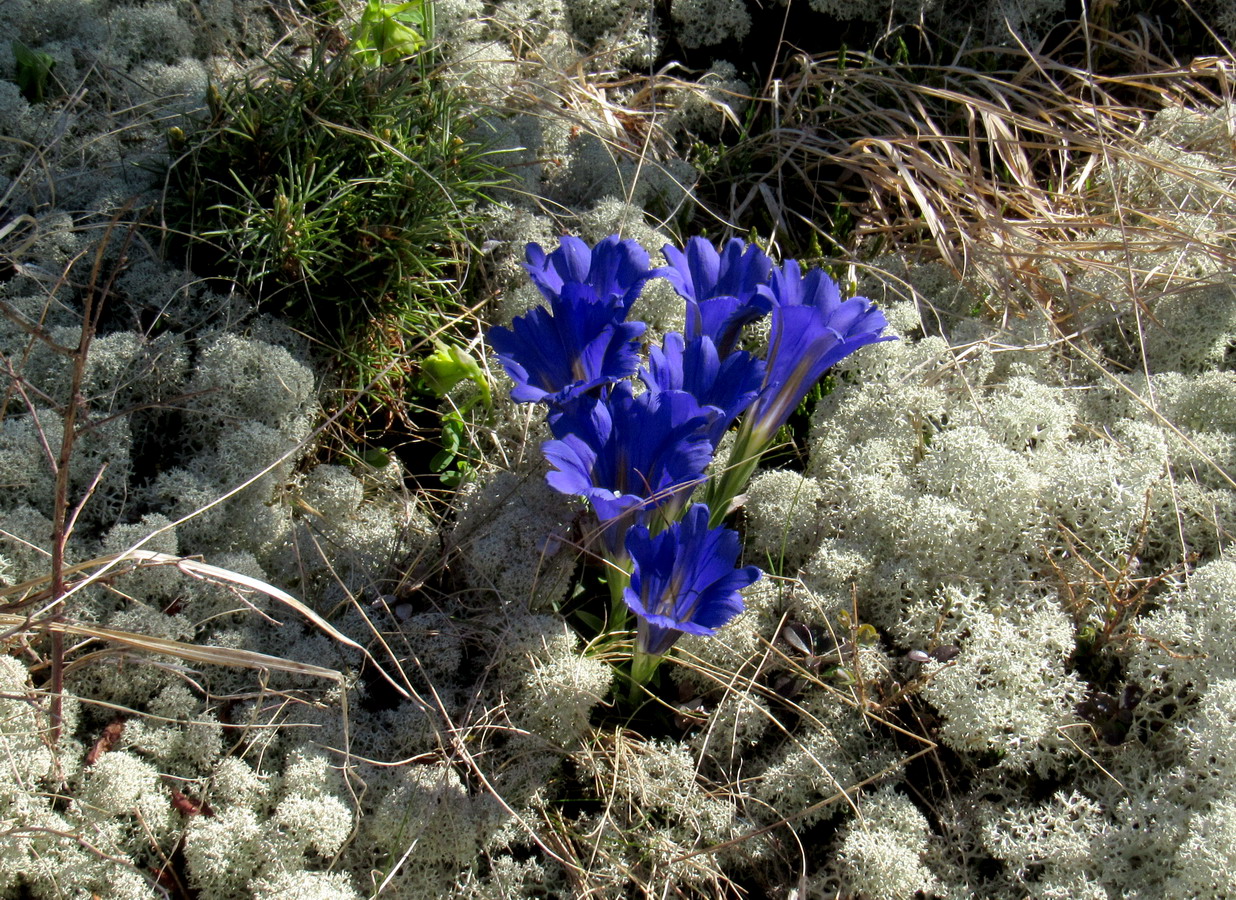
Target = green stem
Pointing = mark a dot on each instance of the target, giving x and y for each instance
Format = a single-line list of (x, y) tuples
[(617, 578), (643, 665), (744, 459)]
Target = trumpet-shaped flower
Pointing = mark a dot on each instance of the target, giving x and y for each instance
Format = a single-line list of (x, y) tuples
[(629, 454), (812, 330), (725, 386), (738, 270), (614, 269), (724, 291), (722, 319), (576, 345), (683, 580)]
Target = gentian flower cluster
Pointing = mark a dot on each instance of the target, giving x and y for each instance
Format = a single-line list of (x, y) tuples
[(637, 457)]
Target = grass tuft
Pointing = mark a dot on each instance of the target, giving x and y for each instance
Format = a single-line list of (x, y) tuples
[(340, 192), (993, 160)]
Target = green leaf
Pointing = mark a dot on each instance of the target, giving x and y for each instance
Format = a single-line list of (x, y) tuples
[(388, 34), (594, 623), (452, 434), (867, 635), (840, 675), (453, 430), (441, 461), (448, 365), (33, 68)]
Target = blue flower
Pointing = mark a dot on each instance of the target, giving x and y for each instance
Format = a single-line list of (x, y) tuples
[(628, 454), (722, 319), (726, 386), (724, 290), (684, 580), (614, 269), (812, 330), (739, 270), (573, 347)]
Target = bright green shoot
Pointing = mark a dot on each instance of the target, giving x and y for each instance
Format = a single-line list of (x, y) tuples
[(441, 371), (32, 70), (450, 364), (387, 34)]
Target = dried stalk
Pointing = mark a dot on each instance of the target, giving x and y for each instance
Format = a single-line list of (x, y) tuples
[(92, 308)]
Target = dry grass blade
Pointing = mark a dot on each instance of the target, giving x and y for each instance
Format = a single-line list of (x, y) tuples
[(204, 570), (215, 656), (1004, 171), (34, 591), (106, 564)]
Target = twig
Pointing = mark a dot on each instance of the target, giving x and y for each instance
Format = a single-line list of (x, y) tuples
[(62, 519)]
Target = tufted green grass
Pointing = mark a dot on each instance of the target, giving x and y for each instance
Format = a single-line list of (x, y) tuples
[(339, 190)]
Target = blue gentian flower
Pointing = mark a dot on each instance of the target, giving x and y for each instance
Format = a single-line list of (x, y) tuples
[(628, 454), (722, 319), (812, 330), (576, 345), (683, 580), (726, 386), (724, 291), (739, 270), (615, 269)]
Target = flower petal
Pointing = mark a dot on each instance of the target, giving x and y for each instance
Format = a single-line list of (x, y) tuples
[(643, 453), (812, 330), (683, 580), (575, 346)]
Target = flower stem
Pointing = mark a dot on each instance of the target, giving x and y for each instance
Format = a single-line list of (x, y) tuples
[(744, 459), (617, 578), (643, 665)]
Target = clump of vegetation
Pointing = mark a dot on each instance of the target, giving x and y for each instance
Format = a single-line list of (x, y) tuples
[(32, 70), (339, 189)]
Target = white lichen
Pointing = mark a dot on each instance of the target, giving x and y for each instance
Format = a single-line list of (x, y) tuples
[(881, 850), (706, 23)]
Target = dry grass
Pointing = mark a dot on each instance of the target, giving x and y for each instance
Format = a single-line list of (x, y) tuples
[(1001, 171)]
